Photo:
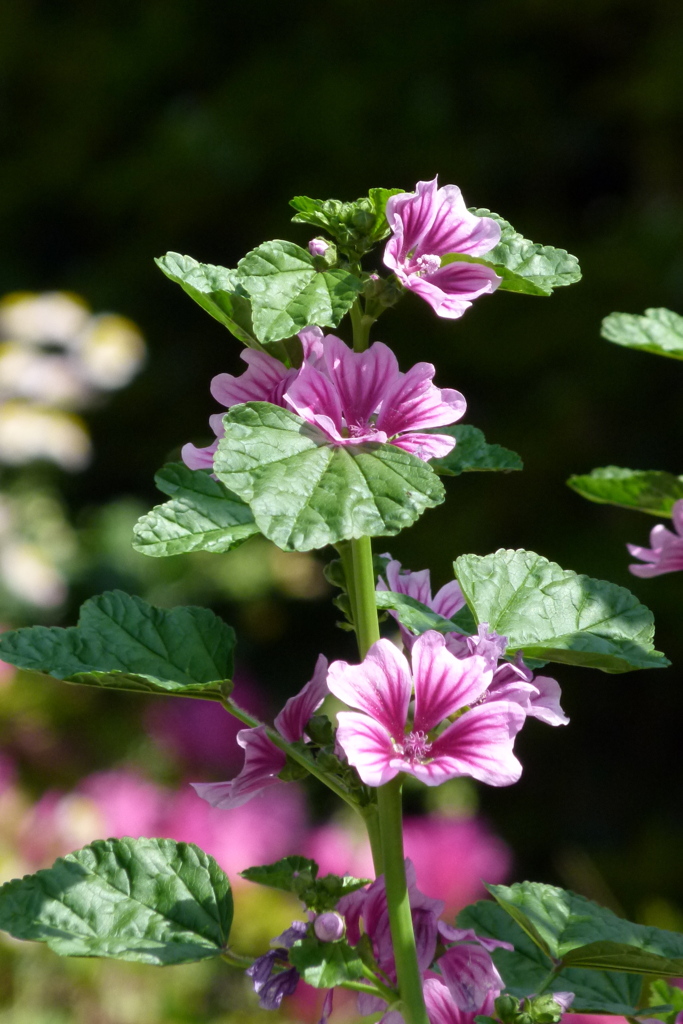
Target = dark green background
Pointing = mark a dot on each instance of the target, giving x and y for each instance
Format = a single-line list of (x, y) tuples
[(132, 128)]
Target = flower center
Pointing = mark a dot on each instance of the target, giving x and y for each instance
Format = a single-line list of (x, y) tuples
[(426, 265), (415, 747)]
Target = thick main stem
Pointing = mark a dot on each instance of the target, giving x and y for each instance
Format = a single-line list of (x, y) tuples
[(389, 806)]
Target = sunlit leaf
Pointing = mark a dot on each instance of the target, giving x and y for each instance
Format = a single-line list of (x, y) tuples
[(646, 490), (121, 642), (660, 331), (154, 901), (306, 493), (557, 615), (202, 515)]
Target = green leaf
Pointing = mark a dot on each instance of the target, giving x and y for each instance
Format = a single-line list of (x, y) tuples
[(288, 291), (306, 493), (299, 875), (216, 289), (202, 515), (581, 933), (618, 956), (660, 331), (524, 266), (660, 992), (646, 490), (121, 642), (472, 453), (325, 964), (418, 618), (154, 901), (554, 614), (356, 227), (526, 968)]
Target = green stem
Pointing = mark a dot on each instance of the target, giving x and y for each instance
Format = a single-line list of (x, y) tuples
[(390, 813), (361, 324), (367, 624), (371, 819), (547, 982), (398, 902), (346, 558)]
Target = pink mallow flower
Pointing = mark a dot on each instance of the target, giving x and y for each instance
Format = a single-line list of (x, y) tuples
[(368, 907), (666, 553), (539, 696), (447, 601), (265, 380), (356, 397), (380, 739), (428, 224), (263, 761)]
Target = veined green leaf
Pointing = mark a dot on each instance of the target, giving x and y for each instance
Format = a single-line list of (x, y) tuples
[(524, 266), (121, 642), (326, 964), (581, 933), (556, 615), (299, 875), (306, 493), (215, 289), (526, 968), (356, 227), (645, 490), (473, 454), (202, 515), (660, 331), (153, 901), (288, 290)]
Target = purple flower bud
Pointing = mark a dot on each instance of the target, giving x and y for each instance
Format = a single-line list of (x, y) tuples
[(329, 926), (318, 246)]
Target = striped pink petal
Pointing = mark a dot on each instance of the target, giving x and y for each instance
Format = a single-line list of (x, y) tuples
[(263, 761), (480, 745), (443, 683), (297, 712), (368, 747), (380, 686)]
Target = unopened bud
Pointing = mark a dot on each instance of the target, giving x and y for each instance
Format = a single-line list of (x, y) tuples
[(507, 1008), (318, 246), (329, 926)]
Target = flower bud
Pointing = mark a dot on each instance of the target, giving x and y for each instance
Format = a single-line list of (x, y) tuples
[(507, 1008), (329, 926), (318, 246)]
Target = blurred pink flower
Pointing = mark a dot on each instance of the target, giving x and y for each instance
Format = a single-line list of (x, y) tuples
[(434, 843), (269, 827), (195, 736), (666, 553)]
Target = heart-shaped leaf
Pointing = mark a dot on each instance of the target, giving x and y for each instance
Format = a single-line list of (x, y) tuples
[(153, 901), (289, 291), (557, 615), (660, 331), (202, 515), (526, 968), (306, 493), (473, 454), (121, 642), (524, 266), (215, 289), (646, 490)]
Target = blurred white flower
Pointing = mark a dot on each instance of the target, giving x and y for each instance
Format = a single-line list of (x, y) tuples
[(31, 432), (56, 357), (48, 317)]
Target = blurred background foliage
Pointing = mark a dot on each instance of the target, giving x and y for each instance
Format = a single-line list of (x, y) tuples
[(132, 128)]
